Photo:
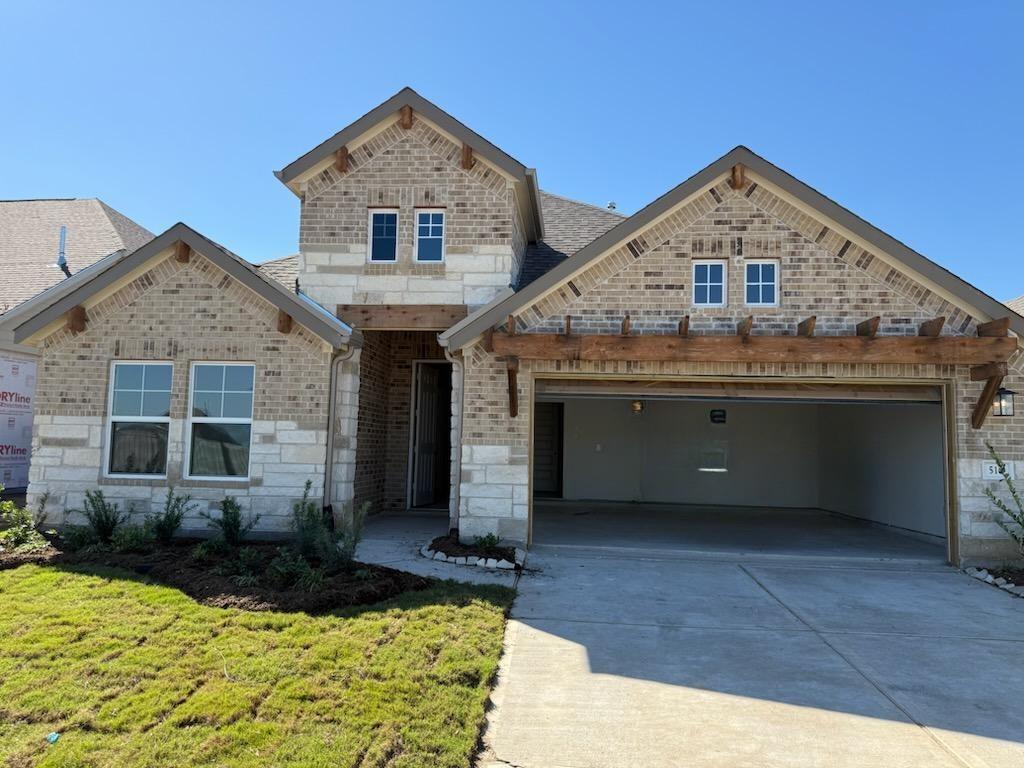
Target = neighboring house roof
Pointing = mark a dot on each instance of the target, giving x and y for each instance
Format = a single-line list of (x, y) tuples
[(30, 240), (914, 262), (285, 270), (37, 313), (526, 178), (1017, 305), (568, 226)]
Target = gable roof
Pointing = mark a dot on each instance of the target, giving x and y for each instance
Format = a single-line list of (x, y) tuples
[(911, 260), (568, 226), (525, 178), (37, 313), (285, 270), (30, 240), (1017, 305)]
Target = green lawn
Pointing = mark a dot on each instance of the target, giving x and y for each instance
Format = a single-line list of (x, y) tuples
[(134, 674)]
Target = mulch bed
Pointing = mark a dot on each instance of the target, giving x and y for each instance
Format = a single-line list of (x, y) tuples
[(174, 566), (451, 546), (1012, 575)]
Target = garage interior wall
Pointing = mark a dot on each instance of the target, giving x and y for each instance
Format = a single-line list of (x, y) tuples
[(881, 462)]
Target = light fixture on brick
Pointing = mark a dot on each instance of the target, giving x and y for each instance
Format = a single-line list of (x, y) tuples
[(1003, 404), (637, 406)]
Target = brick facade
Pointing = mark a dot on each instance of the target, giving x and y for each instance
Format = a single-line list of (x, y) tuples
[(406, 170), (822, 274), (182, 313)]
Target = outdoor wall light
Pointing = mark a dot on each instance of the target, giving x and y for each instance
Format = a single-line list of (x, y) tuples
[(637, 406), (1003, 404)]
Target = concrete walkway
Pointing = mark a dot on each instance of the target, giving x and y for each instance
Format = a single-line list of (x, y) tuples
[(620, 659)]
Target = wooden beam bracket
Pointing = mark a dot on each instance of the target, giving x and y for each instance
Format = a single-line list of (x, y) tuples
[(738, 179), (931, 328), (998, 327), (989, 370), (468, 161), (744, 326), (869, 328), (341, 160), (77, 319), (182, 252), (684, 326), (405, 117), (512, 365), (985, 400), (627, 325), (284, 322)]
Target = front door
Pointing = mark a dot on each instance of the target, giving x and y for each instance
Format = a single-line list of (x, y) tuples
[(547, 449), (424, 446)]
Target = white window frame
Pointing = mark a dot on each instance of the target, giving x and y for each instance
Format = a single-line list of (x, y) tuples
[(187, 468), (725, 282), (369, 235), (778, 282), (416, 233), (109, 426)]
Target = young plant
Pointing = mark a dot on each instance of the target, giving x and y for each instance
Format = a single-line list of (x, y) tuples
[(231, 527), (103, 517), (244, 570), (1015, 526), (488, 541), (21, 531), (290, 570), (166, 523), (133, 538), (312, 536), (350, 533)]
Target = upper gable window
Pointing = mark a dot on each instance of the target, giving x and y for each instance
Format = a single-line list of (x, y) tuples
[(709, 283), (383, 235), (762, 283), (429, 236)]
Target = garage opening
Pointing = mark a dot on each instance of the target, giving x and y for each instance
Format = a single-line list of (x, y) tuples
[(814, 469)]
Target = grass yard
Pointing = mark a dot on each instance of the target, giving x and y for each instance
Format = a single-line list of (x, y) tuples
[(135, 674)]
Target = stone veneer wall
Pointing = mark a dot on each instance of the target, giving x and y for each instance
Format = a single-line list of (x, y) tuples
[(182, 313), (407, 169), (650, 278)]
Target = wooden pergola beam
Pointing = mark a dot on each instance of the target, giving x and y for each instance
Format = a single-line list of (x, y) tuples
[(77, 319), (402, 317), (806, 327), (341, 160), (998, 327), (284, 322), (931, 328), (869, 328), (984, 404), (944, 350), (182, 252), (405, 117), (512, 366)]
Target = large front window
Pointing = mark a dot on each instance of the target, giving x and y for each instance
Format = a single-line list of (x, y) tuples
[(140, 416), (220, 420)]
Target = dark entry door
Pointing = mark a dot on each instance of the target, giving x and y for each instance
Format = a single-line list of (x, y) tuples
[(428, 386), (547, 449)]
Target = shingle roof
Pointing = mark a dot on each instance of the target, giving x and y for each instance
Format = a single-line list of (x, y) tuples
[(568, 226), (1017, 305), (30, 239), (284, 270)]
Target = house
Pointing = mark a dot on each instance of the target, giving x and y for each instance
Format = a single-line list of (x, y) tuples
[(460, 340), (33, 236)]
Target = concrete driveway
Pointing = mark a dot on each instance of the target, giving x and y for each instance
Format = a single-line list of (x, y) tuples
[(624, 659)]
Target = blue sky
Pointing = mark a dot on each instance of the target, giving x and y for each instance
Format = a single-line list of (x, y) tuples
[(908, 113)]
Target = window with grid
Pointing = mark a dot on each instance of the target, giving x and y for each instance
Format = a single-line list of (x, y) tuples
[(140, 417), (383, 235), (709, 283), (220, 420), (430, 236), (762, 283)]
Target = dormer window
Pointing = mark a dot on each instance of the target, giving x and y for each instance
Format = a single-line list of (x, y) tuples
[(383, 235), (429, 235)]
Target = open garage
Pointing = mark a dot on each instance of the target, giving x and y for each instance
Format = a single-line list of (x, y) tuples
[(831, 470)]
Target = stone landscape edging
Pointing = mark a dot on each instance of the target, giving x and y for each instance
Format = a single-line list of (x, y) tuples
[(492, 563), (1017, 590)]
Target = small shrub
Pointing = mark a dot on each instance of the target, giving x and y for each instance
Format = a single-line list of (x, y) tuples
[(290, 570), (21, 532), (165, 524), (205, 550), (312, 536), (244, 569), (133, 538), (350, 533), (1015, 526), (103, 517), (487, 542), (231, 528), (76, 538)]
